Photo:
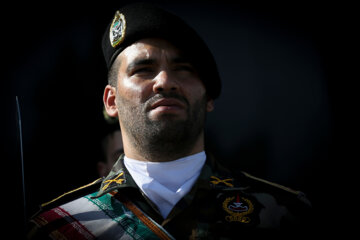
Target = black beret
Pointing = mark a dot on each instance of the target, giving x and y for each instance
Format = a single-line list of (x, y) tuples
[(142, 20)]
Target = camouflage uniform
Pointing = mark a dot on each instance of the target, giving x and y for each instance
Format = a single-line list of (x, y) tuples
[(218, 207)]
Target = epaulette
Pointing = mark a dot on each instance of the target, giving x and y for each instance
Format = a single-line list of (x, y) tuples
[(275, 187), (72, 195), (271, 183)]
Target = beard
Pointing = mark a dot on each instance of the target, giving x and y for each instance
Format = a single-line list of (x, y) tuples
[(166, 138)]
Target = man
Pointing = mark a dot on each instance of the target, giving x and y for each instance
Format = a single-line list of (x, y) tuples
[(162, 82)]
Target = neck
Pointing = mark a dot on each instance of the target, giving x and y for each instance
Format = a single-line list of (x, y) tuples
[(162, 153)]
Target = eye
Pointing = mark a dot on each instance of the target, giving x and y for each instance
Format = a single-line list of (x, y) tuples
[(184, 67), (143, 70)]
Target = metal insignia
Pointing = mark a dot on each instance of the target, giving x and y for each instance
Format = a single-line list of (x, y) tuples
[(238, 208), (117, 29)]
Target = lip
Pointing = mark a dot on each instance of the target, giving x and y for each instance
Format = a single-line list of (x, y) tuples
[(168, 103)]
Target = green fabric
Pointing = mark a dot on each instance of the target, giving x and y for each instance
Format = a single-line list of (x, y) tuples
[(124, 217)]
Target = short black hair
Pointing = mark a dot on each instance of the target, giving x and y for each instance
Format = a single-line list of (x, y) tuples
[(113, 73)]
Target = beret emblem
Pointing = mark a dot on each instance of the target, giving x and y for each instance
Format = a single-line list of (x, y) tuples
[(117, 29)]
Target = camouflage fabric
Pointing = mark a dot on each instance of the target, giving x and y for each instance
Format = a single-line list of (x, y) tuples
[(220, 206)]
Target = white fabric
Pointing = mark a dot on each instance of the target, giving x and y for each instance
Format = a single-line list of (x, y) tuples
[(165, 183), (100, 224)]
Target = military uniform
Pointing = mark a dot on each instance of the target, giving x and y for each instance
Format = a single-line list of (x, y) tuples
[(218, 206)]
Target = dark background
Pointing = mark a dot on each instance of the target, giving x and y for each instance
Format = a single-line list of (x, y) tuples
[(279, 116)]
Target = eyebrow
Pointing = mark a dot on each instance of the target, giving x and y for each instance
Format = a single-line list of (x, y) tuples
[(139, 62), (181, 60), (150, 61)]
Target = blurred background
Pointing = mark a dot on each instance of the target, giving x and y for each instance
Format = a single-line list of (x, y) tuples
[(277, 117)]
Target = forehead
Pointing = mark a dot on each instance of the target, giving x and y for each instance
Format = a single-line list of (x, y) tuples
[(149, 47)]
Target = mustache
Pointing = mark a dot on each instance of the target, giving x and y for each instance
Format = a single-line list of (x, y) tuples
[(159, 96)]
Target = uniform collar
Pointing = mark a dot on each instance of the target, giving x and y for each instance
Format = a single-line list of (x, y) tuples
[(212, 176), (215, 176), (119, 177)]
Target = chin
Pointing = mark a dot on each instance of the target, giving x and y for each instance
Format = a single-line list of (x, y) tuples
[(167, 117)]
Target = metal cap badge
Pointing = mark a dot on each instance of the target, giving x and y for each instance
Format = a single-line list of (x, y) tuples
[(117, 29)]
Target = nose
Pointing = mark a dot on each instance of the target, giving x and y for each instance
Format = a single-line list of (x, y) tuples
[(164, 82)]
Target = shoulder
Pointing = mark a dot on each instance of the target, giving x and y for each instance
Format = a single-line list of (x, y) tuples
[(247, 202), (258, 202), (42, 222), (261, 188), (72, 195), (282, 193), (262, 185), (279, 206)]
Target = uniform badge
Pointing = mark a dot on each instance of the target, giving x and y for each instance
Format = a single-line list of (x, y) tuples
[(114, 181), (238, 209), (221, 182), (117, 29)]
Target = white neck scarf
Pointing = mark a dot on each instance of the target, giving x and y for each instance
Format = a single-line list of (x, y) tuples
[(165, 183)]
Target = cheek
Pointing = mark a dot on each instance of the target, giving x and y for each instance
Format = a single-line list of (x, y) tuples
[(195, 89), (133, 90)]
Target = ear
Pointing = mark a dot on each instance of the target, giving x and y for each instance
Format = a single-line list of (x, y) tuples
[(109, 101), (210, 105)]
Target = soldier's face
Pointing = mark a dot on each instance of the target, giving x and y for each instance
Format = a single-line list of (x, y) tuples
[(153, 68), (159, 94), (154, 74)]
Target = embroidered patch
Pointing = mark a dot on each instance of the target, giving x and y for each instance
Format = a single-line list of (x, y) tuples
[(238, 208), (117, 29), (226, 181), (119, 179)]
